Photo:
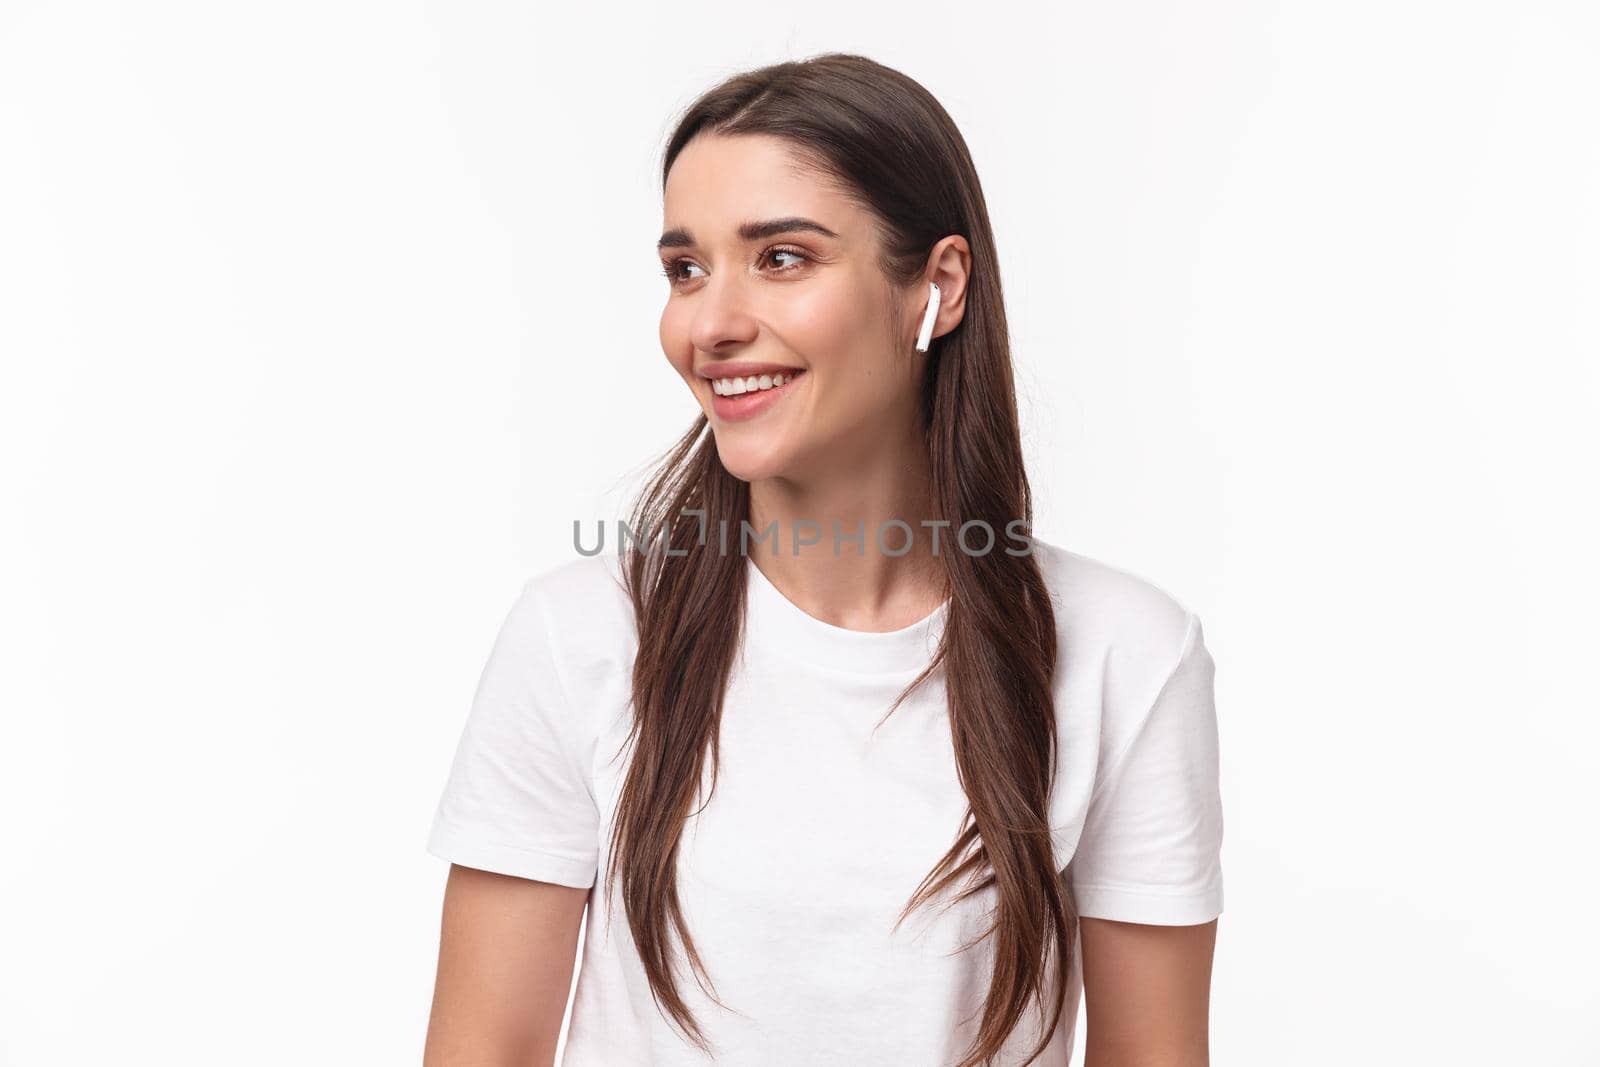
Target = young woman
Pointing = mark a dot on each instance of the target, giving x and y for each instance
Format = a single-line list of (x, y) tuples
[(899, 802)]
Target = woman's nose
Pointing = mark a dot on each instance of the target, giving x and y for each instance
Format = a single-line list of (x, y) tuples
[(722, 315)]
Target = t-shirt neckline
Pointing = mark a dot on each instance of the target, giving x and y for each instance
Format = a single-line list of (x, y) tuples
[(775, 620)]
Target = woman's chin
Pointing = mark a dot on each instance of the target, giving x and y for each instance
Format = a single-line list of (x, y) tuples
[(752, 465)]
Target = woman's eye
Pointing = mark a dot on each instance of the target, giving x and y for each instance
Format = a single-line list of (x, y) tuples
[(787, 252), (674, 270)]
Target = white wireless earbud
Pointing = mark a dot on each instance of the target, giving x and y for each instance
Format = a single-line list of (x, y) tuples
[(926, 334)]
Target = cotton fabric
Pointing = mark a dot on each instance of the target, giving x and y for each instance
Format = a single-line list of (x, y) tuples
[(823, 821)]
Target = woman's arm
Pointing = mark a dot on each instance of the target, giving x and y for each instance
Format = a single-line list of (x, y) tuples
[(506, 952), (1147, 993)]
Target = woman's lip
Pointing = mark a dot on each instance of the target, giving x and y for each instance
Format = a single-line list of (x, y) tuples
[(746, 370), (749, 405)]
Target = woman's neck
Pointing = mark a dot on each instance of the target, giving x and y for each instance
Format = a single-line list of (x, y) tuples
[(856, 550)]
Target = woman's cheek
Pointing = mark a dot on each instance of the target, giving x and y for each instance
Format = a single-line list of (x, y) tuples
[(817, 319), (674, 342)]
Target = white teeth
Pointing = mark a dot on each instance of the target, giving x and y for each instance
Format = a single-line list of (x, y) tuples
[(754, 383)]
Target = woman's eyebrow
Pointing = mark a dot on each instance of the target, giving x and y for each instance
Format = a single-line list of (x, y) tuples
[(750, 231)]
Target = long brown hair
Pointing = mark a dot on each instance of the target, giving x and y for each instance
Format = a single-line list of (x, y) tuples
[(894, 149)]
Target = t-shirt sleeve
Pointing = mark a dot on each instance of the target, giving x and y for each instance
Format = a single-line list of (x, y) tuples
[(518, 799), (1150, 851)]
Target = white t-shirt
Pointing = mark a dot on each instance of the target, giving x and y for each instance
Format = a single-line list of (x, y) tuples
[(820, 827)]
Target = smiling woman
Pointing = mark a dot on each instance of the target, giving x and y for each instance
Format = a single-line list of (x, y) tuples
[(768, 257), (890, 806)]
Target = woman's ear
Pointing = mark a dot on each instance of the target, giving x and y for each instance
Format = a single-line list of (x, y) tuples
[(949, 264)]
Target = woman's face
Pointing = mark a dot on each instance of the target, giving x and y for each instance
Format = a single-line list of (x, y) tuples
[(772, 271)]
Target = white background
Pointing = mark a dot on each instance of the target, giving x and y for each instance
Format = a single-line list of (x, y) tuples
[(321, 322)]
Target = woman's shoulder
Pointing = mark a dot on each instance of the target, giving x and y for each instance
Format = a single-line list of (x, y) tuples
[(580, 585), (1112, 614), (585, 611)]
